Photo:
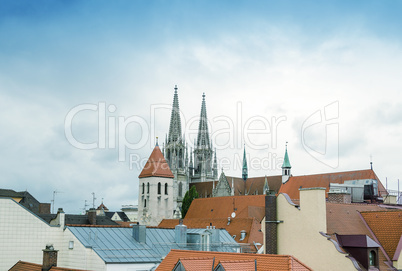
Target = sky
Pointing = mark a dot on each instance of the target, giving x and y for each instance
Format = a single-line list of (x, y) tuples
[(87, 86)]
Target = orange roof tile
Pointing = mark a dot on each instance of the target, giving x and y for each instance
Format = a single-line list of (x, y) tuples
[(26, 266), (156, 166), (264, 261), (223, 207), (292, 186), (254, 186), (387, 227), (246, 265), (345, 219), (195, 264), (236, 225)]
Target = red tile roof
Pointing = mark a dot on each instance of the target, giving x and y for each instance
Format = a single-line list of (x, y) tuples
[(156, 166), (236, 225), (26, 266), (264, 261), (292, 186), (223, 207), (195, 264), (387, 227), (254, 186), (345, 219), (247, 265)]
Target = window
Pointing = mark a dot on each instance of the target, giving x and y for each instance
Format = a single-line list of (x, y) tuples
[(180, 189), (372, 258), (71, 245), (147, 187), (143, 188), (166, 188), (145, 203), (159, 188)]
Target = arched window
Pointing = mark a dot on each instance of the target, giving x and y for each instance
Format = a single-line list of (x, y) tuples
[(166, 188), (143, 188), (147, 187), (145, 203), (159, 188), (372, 258), (180, 190)]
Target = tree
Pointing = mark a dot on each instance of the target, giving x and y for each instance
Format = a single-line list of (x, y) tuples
[(188, 198)]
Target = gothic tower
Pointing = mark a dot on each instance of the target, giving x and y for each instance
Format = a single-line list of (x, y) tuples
[(203, 168), (175, 151)]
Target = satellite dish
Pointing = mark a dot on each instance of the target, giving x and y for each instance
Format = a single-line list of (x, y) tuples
[(233, 215)]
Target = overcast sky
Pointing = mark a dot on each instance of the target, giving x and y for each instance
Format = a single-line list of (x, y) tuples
[(86, 86)]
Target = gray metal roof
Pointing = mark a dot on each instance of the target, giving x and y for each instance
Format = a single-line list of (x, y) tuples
[(117, 245)]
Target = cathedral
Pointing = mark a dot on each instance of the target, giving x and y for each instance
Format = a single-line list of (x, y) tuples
[(174, 168)]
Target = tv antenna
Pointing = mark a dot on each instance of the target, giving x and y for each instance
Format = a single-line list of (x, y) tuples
[(54, 199)]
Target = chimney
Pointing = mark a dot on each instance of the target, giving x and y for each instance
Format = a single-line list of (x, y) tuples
[(49, 258), (61, 217), (180, 233), (271, 226), (216, 240), (139, 232), (92, 216)]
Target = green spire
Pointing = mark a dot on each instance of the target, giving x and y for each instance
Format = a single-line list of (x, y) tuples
[(286, 162), (245, 170)]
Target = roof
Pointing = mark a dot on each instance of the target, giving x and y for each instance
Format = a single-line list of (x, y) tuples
[(345, 219), (195, 264), (292, 186), (122, 215), (26, 266), (245, 265), (156, 166), (286, 162), (356, 240), (387, 227), (79, 219), (254, 186), (223, 207), (117, 245), (236, 225), (264, 261), (10, 193)]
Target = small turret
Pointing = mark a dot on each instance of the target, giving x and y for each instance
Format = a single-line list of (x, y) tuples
[(286, 166)]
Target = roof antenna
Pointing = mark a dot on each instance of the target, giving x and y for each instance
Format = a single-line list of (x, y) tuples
[(157, 141)]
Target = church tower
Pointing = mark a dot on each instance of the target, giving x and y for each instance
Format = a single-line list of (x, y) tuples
[(176, 153), (155, 189), (286, 166), (203, 169)]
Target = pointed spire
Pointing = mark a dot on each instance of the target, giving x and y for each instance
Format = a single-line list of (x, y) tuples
[(245, 170), (286, 162), (175, 122), (203, 135)]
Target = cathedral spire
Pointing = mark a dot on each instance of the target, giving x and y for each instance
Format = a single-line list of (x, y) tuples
[(175, 122), (245, 170), (203, 135)]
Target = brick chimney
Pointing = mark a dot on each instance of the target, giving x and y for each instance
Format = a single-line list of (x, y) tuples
[(271, 226), (92, 216), (49, 257)]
